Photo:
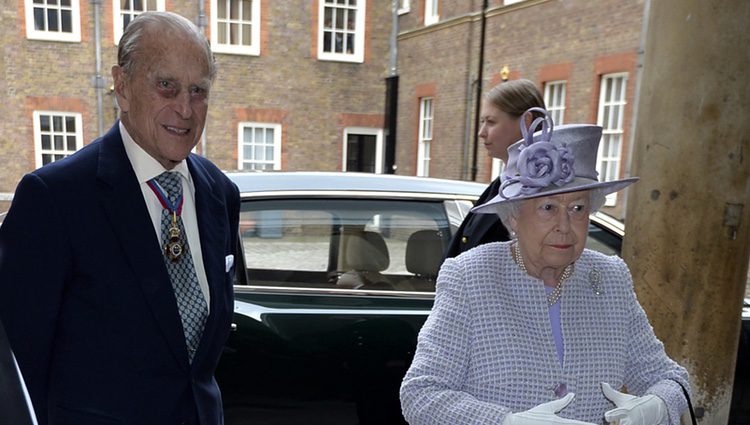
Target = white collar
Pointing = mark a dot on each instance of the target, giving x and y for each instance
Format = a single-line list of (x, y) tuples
[(144, 165)]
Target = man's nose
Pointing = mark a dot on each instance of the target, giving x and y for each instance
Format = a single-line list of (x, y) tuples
[(182, 104)]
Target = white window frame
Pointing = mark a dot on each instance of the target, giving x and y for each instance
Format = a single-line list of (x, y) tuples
[(241, 143), (358, 56), (509, 2), (431, 12), (612, 130), (34, 34), (236, 49), (554, 99), (404, 6), (117, 13), (425, 137), (367, 131), (38, 151)]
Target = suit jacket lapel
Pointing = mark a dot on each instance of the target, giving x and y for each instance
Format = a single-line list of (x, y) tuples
[(211, 212), (125, 207)]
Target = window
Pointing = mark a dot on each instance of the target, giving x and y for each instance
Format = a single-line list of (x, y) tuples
[(341, 35), (509, 2), (53, 20), (425, 136), (235, 26), (610, 118), (259, 146), (554, 98), (125, 11), (431, 12), (363, 149), (337, 243), (404, 6), (56, 135)]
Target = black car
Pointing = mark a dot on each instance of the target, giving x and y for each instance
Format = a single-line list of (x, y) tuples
[(341, 272)]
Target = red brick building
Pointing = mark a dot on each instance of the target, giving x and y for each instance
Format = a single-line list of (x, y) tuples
[(301, 83), (581, 54)]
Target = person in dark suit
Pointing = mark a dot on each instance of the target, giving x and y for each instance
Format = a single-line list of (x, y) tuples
[(500, 119), (116, 263)]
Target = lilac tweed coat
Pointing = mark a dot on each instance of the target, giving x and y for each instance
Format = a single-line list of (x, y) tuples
[(487, 347)]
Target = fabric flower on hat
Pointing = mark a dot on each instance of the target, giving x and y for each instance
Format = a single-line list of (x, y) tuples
[(543, 164)]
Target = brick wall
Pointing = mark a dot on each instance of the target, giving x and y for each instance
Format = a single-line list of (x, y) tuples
[(541, 40), (309, 95)]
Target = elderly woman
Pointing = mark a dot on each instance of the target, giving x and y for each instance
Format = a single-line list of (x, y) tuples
[(539, 330)]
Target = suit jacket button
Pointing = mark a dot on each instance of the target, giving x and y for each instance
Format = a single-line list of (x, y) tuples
[(464, 239)]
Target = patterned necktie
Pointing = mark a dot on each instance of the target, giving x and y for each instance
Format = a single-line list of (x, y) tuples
[(187, 291)]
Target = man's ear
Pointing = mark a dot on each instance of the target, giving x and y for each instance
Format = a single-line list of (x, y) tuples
[(122, 92)]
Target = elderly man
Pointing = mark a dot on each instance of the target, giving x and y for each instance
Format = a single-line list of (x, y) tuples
[(116, 263)]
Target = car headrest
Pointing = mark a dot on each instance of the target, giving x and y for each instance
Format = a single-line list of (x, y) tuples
[(366, 251), (424, 253)]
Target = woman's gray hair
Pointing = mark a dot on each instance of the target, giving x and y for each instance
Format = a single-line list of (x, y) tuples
[(597, 198), (127, 52)]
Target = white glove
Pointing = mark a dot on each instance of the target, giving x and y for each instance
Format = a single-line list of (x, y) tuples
[(544, 414), (632, 410)]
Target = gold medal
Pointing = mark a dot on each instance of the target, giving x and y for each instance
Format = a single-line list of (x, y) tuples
[(174, 247)]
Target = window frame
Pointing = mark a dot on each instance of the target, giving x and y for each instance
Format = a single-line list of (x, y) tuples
[(117, 13), (404, 6), (72, 37), (611, 159), (235, 49), (367, 131), (424, 142), (241, 143), (429, 17), (550, 94), (38, 151), (358, 56)]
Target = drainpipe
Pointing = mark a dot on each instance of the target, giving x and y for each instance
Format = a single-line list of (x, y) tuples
[(201, 23), (391, 95), (98, 80), (478, 99)]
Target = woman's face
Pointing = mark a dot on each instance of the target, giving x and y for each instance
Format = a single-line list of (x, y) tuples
[(498, 130), (552, 230)]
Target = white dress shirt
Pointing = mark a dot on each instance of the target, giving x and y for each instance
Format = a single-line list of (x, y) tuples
[(146, 168)]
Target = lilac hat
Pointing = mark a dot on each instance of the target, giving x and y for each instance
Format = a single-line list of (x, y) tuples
[(551, 162)]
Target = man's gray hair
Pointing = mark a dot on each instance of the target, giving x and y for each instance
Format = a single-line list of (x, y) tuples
[(127, 53), (597, 198)]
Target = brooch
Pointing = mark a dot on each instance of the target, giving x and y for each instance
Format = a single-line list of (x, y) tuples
[(595, 280)]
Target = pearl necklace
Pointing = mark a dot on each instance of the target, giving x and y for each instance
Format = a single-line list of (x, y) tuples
[(556, 293)]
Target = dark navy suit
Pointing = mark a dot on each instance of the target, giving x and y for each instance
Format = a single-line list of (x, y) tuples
[(87, 302), (479, 229)]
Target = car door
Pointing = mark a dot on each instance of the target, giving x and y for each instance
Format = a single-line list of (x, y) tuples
[(338, 289)]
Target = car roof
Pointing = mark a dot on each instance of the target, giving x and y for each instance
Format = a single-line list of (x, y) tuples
[(350, 181)]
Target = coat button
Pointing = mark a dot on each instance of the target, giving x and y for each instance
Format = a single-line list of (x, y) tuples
[(464, 239)]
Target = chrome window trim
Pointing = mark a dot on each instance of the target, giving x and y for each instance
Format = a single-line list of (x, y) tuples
[(355, 194), (256, 289)]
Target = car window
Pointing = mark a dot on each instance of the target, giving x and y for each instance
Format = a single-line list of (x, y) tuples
[(360, 243)]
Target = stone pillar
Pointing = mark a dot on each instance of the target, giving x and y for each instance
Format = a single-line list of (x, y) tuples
[(688, 219)]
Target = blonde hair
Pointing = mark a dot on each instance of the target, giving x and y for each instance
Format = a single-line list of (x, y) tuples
[(515, 97)]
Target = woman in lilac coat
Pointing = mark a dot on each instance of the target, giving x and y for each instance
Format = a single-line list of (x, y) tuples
[(539, 330)]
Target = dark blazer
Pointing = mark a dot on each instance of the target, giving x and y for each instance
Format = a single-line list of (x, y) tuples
[(479, 229), (86, 298), (14, 407)]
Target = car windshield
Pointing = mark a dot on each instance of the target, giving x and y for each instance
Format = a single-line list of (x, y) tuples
[(344, 243)]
